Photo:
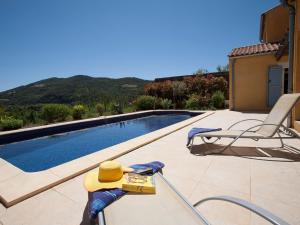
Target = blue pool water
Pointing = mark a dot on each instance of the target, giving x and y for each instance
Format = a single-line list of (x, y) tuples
[(43, 153)]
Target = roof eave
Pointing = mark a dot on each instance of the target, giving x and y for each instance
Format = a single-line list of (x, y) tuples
[(249, 55)]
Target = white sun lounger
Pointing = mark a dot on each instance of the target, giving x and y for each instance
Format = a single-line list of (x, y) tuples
[(168, 207), (268, 128)]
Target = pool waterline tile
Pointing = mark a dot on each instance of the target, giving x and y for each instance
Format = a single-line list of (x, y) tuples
[(13, 190)]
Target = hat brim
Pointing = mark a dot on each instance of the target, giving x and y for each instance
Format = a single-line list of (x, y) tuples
[(91, 182), (127, 169)]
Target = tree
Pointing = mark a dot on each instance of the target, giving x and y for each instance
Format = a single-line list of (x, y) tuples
[(223, 68), (179, 89), (201, 71)]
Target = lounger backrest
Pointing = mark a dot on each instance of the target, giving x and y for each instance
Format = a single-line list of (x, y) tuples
[(278, 114)]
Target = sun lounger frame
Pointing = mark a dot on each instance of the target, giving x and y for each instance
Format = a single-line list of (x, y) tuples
[(290, 134), (287, 100), (273, 219)]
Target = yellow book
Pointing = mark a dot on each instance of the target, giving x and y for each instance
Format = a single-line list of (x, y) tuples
[(138, 183)]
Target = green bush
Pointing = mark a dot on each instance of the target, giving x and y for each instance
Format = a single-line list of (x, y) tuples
[(145, 102), (129, 109), (116, 108), (157, 103), (30, 116), (10, 123), (78, 111), (204, 103), (2, 112), (192, 102), (166, 103), (100, 109), (55, 112), (218, 100)]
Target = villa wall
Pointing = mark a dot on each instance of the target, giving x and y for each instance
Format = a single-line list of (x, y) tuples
[(249, 89), (296, 71), (275, 24), (250, 81)]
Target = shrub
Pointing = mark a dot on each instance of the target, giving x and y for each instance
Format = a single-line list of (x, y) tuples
[(166, 103), (78, 112), (192, 102), (166, 89), (129, 109), (157, 103), (30, 114), (216, 84), (55, 112), (153, 89), (218, 100), (116, 108), (2, 112), (196, 85), (145, 102), (204, 102), (10, 123), (100, 109)]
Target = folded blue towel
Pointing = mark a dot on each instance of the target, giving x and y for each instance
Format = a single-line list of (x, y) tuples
[(197, 130), (98, 200)]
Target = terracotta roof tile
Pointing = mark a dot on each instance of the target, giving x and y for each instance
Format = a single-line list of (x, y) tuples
[(254, 49)]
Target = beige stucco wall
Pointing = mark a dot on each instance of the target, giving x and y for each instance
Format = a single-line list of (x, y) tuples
[(249, 90), (250, 86), (296, 71), (276, 23)]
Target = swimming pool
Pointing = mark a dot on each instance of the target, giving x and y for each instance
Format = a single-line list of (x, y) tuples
[(46, 152)]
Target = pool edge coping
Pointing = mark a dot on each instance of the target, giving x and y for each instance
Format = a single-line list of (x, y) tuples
[(8, 199)]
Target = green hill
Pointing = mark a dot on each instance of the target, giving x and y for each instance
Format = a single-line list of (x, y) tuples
[(80, 88)]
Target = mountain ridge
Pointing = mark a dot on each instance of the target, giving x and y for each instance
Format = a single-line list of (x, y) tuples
[(75, 89)]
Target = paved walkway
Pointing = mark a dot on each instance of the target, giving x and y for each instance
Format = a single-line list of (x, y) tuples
[(243, 172)]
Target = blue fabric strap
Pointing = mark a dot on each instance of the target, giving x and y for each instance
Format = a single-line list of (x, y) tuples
[(197, 130), (98, 200)]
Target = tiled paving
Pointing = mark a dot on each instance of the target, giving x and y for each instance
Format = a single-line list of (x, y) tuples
[(17, 185), (243, 172)]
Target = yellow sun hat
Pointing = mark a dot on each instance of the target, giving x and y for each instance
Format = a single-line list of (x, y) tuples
[(109, 175)]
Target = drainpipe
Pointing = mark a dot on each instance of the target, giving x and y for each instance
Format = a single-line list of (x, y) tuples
[(291, 9)]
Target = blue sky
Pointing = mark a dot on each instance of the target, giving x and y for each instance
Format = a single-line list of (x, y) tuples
[(116, 38)]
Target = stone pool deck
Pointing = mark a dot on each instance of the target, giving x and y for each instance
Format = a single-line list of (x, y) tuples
[(268, 177), (17, 185)]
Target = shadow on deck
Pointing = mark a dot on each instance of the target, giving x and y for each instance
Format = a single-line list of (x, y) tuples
[(257, 153)]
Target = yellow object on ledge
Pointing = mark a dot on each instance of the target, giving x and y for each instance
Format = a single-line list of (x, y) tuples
[(138, 183)]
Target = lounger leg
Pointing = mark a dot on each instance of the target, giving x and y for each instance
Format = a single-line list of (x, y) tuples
[(216, 151), (192, 143), (281, 141)]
